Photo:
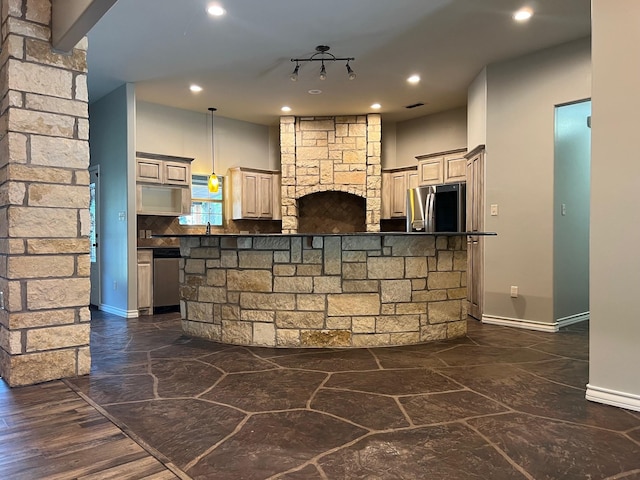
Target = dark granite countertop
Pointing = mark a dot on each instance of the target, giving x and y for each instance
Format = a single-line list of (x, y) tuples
[(364, 234)]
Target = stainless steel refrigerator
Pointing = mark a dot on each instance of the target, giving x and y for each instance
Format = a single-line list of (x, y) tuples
[(436, 208)]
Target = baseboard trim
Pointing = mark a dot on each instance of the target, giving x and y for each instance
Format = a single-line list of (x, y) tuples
[(626, 400), (119, 311), (534, 324), (571, 319)]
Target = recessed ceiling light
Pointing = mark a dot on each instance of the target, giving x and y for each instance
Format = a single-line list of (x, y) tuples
[(523, 15), (286, 109), (376, 106), (195, 88), (414, 79), (315, 92), (216, 10)]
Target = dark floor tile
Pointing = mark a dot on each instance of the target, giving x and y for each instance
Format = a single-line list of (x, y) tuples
[(179, 429), (119, 363), (480, 355), (568, 345), (510, 337), (238, 360), (527, 393), (448, 407), (371, 411), (401, 358), (440, 452), (269, 352), (336, 361), (264, 391), (567, 371), (393, 382), (115, 389), (187, 347), (268, 444), (635, 434), (550, 449), (152, 340), (183, 378), (308, 473)]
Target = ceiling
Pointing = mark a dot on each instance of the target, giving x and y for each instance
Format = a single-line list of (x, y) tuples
[(242, 60)]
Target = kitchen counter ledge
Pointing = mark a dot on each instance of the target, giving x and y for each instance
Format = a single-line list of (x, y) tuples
[(346, 234)]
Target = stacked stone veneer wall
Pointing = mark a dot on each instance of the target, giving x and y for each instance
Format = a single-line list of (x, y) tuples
[(44, 200), (317, 291), (330, 154)]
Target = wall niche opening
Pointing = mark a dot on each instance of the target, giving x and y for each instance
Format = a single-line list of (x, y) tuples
[(331, 212)]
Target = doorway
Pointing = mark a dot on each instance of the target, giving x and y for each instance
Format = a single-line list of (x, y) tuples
[(572, 178), (94, 234)]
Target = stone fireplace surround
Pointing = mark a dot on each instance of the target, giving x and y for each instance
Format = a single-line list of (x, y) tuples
[(340, 154)]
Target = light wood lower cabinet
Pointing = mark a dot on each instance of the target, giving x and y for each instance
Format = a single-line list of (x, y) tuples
[(254, 194), (145, 282), (475, 223)]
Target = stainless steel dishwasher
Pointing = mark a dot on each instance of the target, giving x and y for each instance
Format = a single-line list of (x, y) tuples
[(166, 266)]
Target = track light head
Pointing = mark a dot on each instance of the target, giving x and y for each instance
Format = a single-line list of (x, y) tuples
[(294, 74), (323, 73), (350, 72)]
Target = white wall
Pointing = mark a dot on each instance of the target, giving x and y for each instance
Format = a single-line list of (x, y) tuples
[(111, 147), (388, 145), (172, 131), (521, 97), (571, 230), (430, 134), (615, 196), (477, 111)]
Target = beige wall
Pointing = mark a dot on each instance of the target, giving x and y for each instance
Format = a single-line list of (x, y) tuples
[(172, 131), (430, 134), (521, 97), (615, 196), (477, 111)]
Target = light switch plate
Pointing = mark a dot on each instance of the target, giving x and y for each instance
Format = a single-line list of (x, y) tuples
[(494, 209)]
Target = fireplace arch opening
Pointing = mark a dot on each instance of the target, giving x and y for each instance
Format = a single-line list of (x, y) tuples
[(331, 212)]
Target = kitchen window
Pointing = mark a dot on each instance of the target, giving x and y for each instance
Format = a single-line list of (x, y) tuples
[(205, 206)]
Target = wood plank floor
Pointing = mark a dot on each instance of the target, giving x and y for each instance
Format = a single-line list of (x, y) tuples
[(48, 432)]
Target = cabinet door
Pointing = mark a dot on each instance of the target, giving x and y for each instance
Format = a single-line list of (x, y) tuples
[(455, 169), (250, 197), (431, 171), (145, 281), (177, 173), (413, 179), (265, 190), (398, 194), (149, 171)]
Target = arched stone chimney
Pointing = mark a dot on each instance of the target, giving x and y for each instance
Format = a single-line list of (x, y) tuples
[(330, 154)]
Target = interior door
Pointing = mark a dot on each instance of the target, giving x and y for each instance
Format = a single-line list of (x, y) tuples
[(475, 223), (94, 234)]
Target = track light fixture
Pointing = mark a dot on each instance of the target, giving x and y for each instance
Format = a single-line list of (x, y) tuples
[(322, 54)]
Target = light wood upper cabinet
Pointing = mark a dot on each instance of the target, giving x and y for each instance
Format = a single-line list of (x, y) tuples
[(148, 171), (431, 171), (395, 183), (442, 167), (163, 184), (254, 193)]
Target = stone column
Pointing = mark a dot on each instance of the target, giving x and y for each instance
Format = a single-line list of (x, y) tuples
[(374, 172), (44, 200), (288, 166)]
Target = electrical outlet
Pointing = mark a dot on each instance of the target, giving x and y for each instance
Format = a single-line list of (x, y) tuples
[(142, 234), (514, 291), (115, 284), (1, 300), (122, 216), (563, 209), (149, 233)]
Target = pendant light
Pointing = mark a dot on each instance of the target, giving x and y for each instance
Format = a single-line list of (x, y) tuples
[(214, 182)]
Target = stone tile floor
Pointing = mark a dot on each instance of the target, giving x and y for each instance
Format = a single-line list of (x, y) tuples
[(499, 404)]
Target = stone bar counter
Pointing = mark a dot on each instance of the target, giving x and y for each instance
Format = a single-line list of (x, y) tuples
[(324, 290)]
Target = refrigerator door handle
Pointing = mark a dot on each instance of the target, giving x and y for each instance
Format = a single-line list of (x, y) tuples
[(430, 213)]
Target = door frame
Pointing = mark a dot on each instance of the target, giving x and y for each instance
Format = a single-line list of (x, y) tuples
[(95, 256)]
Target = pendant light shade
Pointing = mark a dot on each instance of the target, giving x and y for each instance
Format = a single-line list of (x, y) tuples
[(214, 182)]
